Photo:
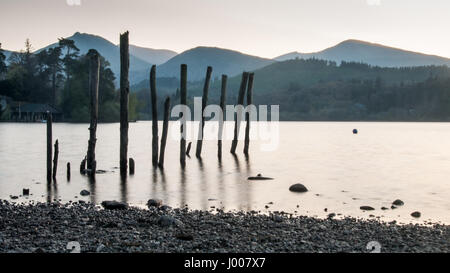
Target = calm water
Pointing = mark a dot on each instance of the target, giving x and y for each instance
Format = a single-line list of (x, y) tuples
[(385, 161)]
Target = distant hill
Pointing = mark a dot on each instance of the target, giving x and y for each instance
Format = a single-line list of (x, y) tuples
[(370, 53), (139, 68), (153, 56), (223, 61)]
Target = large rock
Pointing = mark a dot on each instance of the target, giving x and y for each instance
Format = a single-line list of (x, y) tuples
[(154, 203), (114, 205), (416, 214), (84, 193), (298, 188), (366, 208)]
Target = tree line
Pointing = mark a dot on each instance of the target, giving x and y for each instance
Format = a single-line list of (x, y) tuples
[(59, 76)]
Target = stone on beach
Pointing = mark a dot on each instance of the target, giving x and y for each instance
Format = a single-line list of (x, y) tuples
[(154, 203), (114, 205), (298, 188)]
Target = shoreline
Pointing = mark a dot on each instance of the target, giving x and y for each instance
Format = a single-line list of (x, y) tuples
[(49, 227)]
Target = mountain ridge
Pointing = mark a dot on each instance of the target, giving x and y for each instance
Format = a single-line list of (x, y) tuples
[(353, 50)]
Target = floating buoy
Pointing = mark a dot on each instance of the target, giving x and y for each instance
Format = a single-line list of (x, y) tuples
[(355, 131)]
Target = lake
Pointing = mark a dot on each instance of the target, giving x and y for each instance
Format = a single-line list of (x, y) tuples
[(343, 171)]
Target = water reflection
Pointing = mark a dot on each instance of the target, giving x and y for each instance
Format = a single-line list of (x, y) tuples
[(52, 192)]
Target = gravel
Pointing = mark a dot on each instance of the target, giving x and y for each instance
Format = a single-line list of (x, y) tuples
[(50, 227)]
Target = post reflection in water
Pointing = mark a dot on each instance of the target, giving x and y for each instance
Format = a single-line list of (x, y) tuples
[(203, 185), (123, 189), (92, 189), (221, 184), (183, 187), (52, 192)]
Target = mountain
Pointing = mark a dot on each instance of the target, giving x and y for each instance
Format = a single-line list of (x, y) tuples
[(153, 56), (223, 61), (370, 53), (139, 67)]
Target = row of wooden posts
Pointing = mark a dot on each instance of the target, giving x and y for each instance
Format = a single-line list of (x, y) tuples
[(89, 163)]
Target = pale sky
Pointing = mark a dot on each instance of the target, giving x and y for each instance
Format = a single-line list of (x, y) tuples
[(267, 28)]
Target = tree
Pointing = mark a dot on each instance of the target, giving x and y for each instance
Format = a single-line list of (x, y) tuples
[(50, 64), (2, 63)]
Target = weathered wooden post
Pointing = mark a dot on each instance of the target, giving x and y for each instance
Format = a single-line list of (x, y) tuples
[(154, 116), (49, 147), (223, 96), (124, 92), (131, 166), (237, 121), (55, 160), (188, 150), (183, 102), (247, 114), (83, 166), (94, 74), (201, 127), (68, 171), (164, 132)]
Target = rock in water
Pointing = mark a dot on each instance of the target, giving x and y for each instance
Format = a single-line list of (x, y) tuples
[(154, 203), (114, 205), (416, 214), (25, 192), (259, 177), (355, 131), (398, 202), (298, 188), (85, 193), (366, 208)]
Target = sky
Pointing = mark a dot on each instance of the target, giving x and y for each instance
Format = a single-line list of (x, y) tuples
[(266, 28)]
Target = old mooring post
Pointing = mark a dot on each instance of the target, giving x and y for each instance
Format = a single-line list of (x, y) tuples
[(49, 147), (55, 160), (188, 150), (183, 102), (68, 171), (164, 132), (124, 92), (154, 116), (198, 152), (247, 114), (240, 104), (94, 74), (223, 97)]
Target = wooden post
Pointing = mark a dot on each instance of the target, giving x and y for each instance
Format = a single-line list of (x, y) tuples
[(131, 166), (68, 171), (49, 147), (83, 166), (223, 97), (124, 92), (94, 74), (188, 150), (154, 116), (201, 127), (164, 133), (55, 160), (247, 114), (237, 121), (183, 102)]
